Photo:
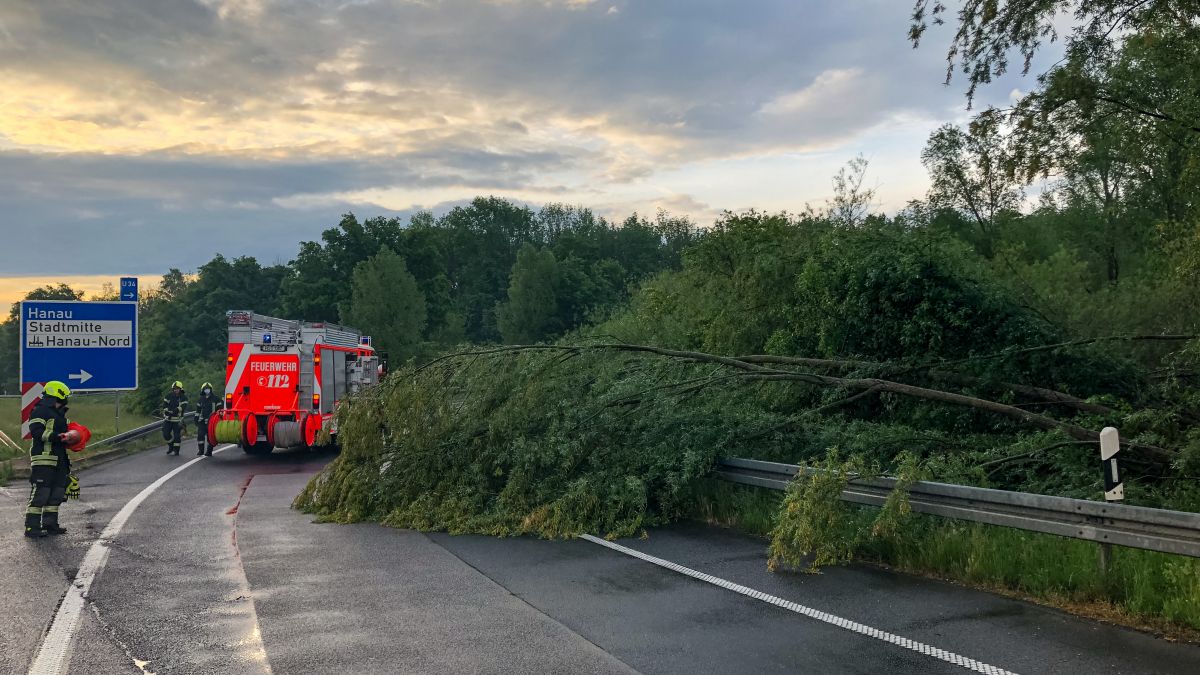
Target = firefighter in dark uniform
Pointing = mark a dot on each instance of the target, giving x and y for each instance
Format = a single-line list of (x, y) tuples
[(207, 405), (49, 466), (174, 406)]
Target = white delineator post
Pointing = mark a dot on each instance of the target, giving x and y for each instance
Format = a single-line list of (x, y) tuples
[(1110, 445), (1114, 486)]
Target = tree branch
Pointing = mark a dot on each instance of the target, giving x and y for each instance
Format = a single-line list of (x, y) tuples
[(841, 402), (1148, 113), (1072, 343), (1044, 395), (769, 374)]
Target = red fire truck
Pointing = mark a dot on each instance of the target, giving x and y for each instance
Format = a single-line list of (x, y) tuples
[(284, 378)]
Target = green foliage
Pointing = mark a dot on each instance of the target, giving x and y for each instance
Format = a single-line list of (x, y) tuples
[(968, 173), (813, 519), (548, 443), (894, 300), (531, 313), (816, 528), (386, 303), (464, 263)]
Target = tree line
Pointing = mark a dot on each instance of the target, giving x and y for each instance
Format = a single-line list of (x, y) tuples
[(490, 271)]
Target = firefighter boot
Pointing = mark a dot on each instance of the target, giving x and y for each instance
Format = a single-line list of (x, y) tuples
[(199, 449), (50, 522), (33, 525)]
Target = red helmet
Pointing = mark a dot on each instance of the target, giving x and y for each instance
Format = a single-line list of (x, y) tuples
[(77, 436)]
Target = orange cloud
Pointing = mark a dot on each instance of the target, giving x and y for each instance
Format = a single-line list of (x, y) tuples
[(13, 289)]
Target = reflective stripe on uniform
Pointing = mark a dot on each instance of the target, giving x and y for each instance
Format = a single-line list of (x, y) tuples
[(31, 509), (48, 434), (50, 509), (43, 459)]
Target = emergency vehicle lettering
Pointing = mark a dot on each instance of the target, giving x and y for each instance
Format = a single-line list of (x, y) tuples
[(275, 381), (273, 366)]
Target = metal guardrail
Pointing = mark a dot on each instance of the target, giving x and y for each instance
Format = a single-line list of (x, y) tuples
[(1132, 526), (117, 439)]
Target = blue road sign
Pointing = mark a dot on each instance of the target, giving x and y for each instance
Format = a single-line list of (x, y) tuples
[(129, 291), (89, 346)]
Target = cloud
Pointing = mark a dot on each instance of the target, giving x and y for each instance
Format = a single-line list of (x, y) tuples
[(147, 134), (156, 211), (673, 80)]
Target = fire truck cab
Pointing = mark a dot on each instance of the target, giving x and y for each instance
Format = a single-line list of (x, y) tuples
[(284, 379)]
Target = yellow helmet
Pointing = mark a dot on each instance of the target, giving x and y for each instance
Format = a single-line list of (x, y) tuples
[(56, 389), (177, 383)]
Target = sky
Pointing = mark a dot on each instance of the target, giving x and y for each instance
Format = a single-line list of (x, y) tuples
[(140, 135)]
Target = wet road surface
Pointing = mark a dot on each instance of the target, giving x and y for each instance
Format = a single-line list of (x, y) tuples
[(214, 573)]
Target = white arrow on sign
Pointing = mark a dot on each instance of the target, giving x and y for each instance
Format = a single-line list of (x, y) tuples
[(82, 376)]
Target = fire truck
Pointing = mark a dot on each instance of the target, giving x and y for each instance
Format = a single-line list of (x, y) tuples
[(284, 379)]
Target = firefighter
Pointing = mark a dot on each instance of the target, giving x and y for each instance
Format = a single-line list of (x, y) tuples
[(208, 404), (174, 406), (49, 466)]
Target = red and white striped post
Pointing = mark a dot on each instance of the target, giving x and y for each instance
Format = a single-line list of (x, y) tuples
[(31, 393)]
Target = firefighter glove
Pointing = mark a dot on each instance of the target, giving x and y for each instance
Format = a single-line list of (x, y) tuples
[(72, 487)]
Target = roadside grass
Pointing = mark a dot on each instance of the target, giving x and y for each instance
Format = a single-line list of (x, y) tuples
[(95, 411), (1153, 591)]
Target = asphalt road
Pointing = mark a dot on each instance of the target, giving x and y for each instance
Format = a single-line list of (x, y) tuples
[(214, 573)]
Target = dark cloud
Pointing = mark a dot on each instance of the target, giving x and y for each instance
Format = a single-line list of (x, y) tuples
[(696, 70), (481, 95), (143, 214)]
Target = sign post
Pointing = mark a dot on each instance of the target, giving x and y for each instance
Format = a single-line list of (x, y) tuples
[(89, 346), (129, 293)]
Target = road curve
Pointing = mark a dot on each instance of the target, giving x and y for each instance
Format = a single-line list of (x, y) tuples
[(213, 572)]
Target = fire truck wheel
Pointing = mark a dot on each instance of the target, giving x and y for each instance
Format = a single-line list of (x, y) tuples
[(260, 448)]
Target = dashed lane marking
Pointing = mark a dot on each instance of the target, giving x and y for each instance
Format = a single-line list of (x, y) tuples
[(55, 652), (846, 624)]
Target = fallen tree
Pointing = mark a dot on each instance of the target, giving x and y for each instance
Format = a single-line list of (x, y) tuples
[(556, 440), (754, 371)]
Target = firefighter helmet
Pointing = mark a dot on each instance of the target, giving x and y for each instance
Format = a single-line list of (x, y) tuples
[(56, 389), (177, 385)]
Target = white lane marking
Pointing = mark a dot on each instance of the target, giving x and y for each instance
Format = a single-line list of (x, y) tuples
[(55, 651), (853, 626)]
